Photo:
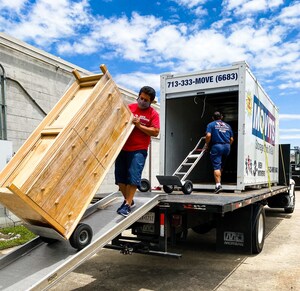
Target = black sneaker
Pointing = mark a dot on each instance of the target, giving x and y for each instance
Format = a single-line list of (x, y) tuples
[(125, 210), (124, 202), (218, 189)]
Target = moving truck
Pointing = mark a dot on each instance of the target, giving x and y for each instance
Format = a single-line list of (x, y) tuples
[(295, 165), (188, 102), (257, 172)]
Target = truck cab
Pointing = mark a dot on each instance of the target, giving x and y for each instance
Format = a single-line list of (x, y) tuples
[(295, 165)]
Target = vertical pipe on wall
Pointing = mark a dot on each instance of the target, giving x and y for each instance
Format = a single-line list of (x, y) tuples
[(3, 123)]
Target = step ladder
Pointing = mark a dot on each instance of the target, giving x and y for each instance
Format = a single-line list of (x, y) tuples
[(184, 169)]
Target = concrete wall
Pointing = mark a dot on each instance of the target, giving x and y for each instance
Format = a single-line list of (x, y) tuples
[(34, 82)]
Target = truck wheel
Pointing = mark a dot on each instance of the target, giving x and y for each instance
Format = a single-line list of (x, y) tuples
[(291, 208), (259, 229), (187, 188), (168, 188), (144, 186), (81, 237)]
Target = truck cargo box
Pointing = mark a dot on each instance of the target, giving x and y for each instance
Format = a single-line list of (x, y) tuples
[(187, 105), (53, 177)]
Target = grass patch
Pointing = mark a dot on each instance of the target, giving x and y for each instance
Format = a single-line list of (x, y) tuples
[(14, 236)]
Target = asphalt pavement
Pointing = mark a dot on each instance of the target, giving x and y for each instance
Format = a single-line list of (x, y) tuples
[(276, 268)]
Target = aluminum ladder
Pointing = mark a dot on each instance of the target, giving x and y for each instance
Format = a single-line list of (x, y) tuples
[(184, 169)]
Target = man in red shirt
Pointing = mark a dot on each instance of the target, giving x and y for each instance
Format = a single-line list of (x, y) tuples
[(131, 160)]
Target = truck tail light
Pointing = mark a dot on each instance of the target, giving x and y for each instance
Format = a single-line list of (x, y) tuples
[(162, 224)]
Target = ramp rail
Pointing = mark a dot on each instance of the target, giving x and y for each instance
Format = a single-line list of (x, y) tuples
[(39, 266)]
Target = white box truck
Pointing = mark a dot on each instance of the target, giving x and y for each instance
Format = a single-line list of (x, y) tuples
[(188, 102), (257, 172)]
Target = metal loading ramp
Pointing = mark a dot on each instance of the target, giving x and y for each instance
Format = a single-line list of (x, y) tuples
[(40, 265)]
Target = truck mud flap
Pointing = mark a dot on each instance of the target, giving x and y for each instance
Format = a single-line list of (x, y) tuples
[(239, 232)]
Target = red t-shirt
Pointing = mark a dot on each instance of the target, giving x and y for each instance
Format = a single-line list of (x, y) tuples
[(139, 140)]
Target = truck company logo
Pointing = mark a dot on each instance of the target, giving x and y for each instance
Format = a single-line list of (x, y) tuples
[(249, 103), (263, 122), (233, 238)]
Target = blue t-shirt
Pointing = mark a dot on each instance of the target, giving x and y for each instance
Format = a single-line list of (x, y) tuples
[(220, 131)]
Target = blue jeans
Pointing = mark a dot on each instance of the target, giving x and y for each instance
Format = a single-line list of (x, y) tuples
[(129, 167)]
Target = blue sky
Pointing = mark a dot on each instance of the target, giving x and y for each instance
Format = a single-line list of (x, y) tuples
[(140, 39)]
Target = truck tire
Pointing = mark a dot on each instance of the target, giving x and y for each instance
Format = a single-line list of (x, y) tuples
[(187, 188), (144, 186), (81, 237), (168, 188), (259, 229), (291, 208)]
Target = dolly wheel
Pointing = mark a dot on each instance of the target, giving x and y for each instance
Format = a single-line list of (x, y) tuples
[(168, 188), (81, 237), (145, 185), (187, 188)]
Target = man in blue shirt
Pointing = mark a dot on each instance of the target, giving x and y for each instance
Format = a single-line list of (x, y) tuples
[(220, 136)]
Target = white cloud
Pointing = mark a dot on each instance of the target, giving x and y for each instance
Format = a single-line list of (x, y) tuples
[(149, 39), (166, 41), (254, 39), (86, 46), (253, 6), (289, 116), (136, 80), (46, 21), (195, 6), (70, 27), (292, 85), (233, 4), (287, 137), (190, 3), (15, 5), (240, 7), (199, 11), (221, 23), (193, 50), (208, 48), (291, 15), (275, 3), (290, 130), (130, 43)]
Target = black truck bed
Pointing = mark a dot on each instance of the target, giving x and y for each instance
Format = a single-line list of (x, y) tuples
[(216, 203)]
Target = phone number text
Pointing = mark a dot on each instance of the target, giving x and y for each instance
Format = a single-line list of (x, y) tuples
[(203, 80)]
